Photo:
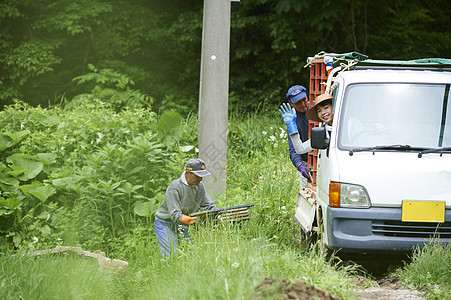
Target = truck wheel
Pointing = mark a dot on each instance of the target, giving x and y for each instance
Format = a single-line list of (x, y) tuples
[(322, 246), (307, 239)]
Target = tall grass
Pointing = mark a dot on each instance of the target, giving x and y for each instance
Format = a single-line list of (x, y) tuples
[(431, 269), (56, 277), (227, 262)]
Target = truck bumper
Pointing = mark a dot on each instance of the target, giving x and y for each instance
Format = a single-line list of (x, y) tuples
[(380, 229)]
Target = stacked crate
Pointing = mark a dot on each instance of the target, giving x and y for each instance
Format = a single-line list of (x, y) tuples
[(318, 76)]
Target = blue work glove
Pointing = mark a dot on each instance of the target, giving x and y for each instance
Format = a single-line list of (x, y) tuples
[(304, 170), (289, 117)]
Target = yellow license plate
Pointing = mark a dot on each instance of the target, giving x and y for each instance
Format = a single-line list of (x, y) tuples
[(423, 211)]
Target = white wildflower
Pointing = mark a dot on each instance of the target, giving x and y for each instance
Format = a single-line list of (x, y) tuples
[(264, 132), (62, 148), (100, 136), (186, 148), (65, 137), (236, 264), (35, 240), (272, 138), (22, 126)]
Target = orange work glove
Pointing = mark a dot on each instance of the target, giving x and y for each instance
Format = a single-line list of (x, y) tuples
[(187, 220)]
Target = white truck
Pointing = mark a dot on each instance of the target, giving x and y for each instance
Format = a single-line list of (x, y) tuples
[(383, 174)]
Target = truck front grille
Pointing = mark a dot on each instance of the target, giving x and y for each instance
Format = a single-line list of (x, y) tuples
[(412, 229)]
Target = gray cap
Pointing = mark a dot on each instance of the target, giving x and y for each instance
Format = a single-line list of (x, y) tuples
[(197, 167)]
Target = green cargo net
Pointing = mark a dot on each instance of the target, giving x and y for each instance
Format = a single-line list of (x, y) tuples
[(345, 56), (355, 58)]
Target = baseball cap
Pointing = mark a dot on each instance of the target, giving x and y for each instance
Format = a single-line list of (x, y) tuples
[(296, 93), (197, 167)]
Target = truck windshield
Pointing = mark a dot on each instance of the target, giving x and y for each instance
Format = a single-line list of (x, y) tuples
[(418, 115)]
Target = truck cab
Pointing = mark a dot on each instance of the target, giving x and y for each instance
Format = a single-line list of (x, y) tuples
[(383, 174)]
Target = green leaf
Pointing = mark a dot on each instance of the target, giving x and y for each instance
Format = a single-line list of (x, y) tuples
[(62, 181), (169, 122), (8, 188), (29, 163), (17, 238), (42, 192), (45, 230), (47, 158), (5, 142), (27, 187), (145, 209), (18, 136), (6, 179), (17, 171), (11, 203)]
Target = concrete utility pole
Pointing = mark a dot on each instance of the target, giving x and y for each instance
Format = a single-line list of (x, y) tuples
[(213, 93)]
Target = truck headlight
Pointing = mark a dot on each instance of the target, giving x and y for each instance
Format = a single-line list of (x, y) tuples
[(348, 195)]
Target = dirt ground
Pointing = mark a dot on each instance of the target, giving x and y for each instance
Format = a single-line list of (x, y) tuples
[(385, 288), (389, 288), (284, 289)]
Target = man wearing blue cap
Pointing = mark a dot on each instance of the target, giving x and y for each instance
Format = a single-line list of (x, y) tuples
[(297, 98), (184, 196)]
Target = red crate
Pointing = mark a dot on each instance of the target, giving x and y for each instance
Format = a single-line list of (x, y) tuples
[(318, 78)]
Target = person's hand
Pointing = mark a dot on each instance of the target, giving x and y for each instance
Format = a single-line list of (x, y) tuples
[(304, 170), (187, 220), (289, 117)]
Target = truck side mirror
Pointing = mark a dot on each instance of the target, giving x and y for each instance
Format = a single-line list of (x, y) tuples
[(318, 138)]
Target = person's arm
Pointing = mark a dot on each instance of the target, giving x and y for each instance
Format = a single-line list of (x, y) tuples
[(299, 147), (289, 117), (297, 160), (172, 201)]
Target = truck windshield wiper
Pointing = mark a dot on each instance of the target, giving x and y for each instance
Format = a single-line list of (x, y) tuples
[(385, 147), (434, 150)]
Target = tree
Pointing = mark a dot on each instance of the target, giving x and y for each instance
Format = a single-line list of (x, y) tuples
[(45, 44)]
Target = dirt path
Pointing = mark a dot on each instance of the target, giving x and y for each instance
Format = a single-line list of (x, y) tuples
[(382, 286), (389, 288)]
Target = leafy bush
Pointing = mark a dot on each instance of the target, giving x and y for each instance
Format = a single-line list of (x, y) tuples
[(86, 169)]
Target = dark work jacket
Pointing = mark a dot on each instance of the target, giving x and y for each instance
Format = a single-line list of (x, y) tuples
[(302, 124)]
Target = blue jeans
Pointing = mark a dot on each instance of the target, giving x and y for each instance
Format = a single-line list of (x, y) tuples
[(169, 234)]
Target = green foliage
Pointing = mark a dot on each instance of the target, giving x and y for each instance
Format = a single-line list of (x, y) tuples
[(103, 175), (85, 168), (114, 88), (45, 45), (430, 268)]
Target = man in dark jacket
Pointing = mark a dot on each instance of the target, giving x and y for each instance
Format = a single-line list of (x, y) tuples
[(297, 97)]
